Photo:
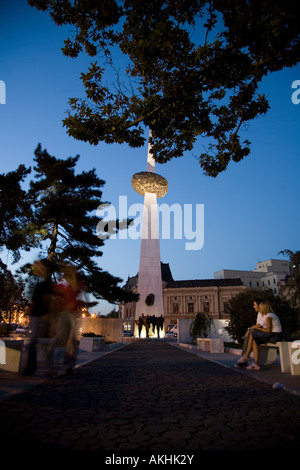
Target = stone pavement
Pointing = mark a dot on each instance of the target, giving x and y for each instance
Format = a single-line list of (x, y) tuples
[(270, 374), (12, 383), (152, 396)]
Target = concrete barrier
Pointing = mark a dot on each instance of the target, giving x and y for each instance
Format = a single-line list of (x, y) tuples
[(212, 345), (110, 328)]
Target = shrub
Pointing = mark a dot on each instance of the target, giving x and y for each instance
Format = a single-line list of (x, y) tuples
[(201, 325), (243, 315)]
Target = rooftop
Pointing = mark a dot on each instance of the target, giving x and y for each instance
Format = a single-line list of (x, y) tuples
[(204, 283)]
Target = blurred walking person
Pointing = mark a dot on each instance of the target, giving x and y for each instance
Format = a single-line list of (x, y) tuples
[(68, 291), (42, 299)]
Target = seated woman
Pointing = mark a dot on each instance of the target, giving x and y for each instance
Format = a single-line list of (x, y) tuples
[(262, 335)]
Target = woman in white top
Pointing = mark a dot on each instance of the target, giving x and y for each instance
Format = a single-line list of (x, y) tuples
[(261, 335)]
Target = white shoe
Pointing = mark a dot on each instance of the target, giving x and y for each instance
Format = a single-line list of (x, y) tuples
[(253, 367), (244, 360)]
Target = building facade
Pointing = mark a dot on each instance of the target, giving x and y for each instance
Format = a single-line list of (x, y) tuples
[(184, 299), (268, 274)]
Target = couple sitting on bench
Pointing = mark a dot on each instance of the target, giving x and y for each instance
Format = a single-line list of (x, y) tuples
[(267, 329)]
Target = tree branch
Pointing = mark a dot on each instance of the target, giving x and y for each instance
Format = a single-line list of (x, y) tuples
[(141, 119)]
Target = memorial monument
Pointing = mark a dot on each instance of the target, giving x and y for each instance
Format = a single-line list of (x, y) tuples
[(149, 308)]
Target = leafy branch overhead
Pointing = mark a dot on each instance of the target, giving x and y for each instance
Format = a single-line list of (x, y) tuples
[(187, 69)]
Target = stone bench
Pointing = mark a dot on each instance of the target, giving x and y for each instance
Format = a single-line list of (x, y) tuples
[(91, 343), (16, 354), (268, 355), (212, 345)]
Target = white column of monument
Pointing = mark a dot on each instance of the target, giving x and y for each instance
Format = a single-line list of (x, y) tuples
[(149, 278)]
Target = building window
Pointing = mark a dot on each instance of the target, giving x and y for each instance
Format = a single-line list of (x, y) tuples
[(205, 307), (127, 326), (190, 307), (225, 307), (175, 308)]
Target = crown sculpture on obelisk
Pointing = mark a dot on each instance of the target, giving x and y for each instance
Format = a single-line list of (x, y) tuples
[(150, 308)]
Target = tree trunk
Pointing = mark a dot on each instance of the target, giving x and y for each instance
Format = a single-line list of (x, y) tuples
[(52, 247)]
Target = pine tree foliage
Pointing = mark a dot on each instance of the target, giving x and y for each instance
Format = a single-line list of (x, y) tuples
[(15, 212), (64, 216)]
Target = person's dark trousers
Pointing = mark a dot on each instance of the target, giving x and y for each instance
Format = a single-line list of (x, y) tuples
[(32, 360)]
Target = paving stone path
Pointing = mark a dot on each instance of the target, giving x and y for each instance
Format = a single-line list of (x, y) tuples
[(152, 396)]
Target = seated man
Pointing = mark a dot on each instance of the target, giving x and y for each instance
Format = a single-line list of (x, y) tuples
[(259, 324)]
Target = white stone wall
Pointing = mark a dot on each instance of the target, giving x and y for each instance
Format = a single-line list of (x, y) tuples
[(111, 328)]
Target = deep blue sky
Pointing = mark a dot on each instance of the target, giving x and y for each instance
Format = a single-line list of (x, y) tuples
[(251, 210)]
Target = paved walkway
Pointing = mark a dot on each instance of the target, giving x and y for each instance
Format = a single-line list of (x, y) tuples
[(270, 374), (152, 396)]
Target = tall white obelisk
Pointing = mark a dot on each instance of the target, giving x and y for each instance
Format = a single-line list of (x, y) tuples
[(151, 186)]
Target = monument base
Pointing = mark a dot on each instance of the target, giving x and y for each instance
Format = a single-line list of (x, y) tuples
[(143, 333), (149, 327), (166, 339)]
